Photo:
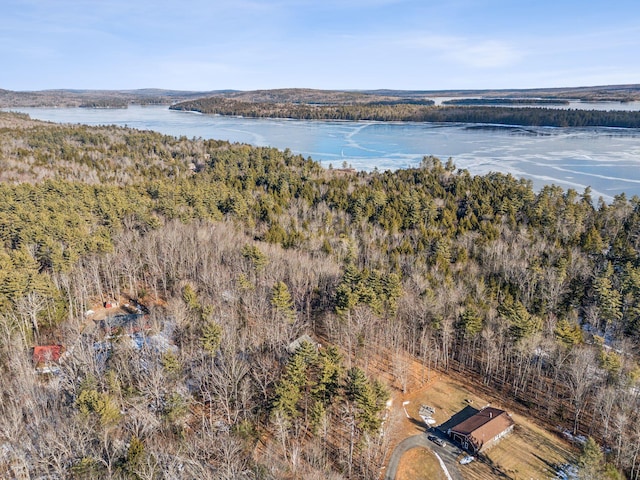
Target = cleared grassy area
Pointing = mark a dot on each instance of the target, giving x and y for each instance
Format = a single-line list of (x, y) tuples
[(446, 396), (419, 464), (530, 452)]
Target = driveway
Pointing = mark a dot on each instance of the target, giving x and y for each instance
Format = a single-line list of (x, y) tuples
[(446, 453)]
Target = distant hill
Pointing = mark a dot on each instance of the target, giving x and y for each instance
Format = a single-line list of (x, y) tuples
[(310, 96), (98, 98), (147, 96), (619, 93)]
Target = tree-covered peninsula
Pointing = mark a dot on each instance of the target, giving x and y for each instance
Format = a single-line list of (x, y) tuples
[(415, 112)]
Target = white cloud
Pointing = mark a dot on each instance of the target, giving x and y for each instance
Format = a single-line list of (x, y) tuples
[(487, 54), (191, 75), (465, 51)]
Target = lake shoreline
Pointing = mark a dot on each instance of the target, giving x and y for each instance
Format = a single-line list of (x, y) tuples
[(605, 159)]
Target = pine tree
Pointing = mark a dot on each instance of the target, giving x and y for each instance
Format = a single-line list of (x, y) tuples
[(211, 337), (257, 258), (282, 302), (609, 299), (330, 373), (521, 323), (366, 398), (190, 297), (591, 461), (317, 415), (568, 333), (471, 322), (294, 383)]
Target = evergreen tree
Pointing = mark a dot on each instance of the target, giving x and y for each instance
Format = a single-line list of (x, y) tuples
[(521, 323), (591, 461), (368, 399), (609, 299), (471, 322), (330, 373), (568, 333), (211, 337), (282, 302)]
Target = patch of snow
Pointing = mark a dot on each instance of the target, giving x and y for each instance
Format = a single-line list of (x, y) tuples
[(443, 466), (580, 439), (566, 472)]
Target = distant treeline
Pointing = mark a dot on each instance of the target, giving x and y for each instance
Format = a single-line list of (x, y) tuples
[(379, 110), (404, 101), (121, 103), (106, 103), (417, 113), (505, 101)]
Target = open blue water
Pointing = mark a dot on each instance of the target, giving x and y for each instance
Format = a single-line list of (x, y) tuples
[(606, 159)]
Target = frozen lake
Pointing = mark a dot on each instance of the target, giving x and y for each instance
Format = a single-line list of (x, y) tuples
[(606, 159)]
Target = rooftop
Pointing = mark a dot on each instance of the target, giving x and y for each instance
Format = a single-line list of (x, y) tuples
[(484, 426), (46, 353)]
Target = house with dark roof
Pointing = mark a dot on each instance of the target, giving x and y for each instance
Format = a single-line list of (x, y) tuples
[(125, 324), (482, 430)]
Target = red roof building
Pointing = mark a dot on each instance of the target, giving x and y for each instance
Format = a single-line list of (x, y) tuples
[(45, 355)]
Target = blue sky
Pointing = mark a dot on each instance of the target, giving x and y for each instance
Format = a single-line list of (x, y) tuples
[(329, 44)]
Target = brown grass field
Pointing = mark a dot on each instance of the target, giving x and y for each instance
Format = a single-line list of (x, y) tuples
[(419, 464)]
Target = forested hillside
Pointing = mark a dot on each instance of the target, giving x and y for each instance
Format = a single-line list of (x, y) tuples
[(148, 96), (95, 98), (237, 251)]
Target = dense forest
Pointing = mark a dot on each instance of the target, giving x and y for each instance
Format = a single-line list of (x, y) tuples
[(110, 103), (236, 251), (412, 112), (505, 101), (95, 98)]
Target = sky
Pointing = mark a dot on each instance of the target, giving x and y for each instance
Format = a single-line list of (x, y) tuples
[(327, 44)]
